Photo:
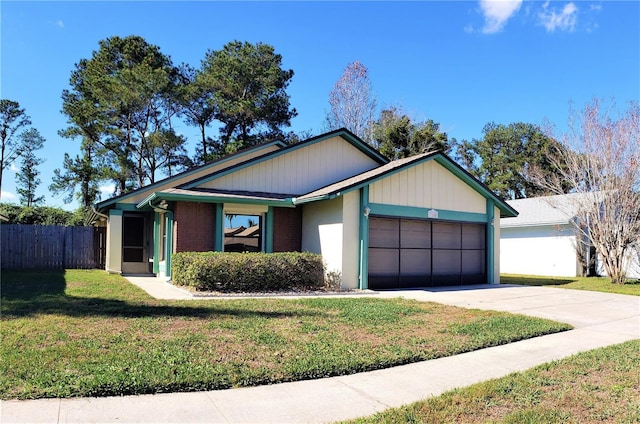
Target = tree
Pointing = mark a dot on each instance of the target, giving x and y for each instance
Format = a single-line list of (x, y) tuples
[(601, 161), (396, 136), (120, 96), (27, 178), (249, 94), (12, 119), (504, 158), (198, 107), (84, 171), (352, 102)]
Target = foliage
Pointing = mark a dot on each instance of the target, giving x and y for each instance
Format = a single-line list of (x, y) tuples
[(600, 160), (120, 97), (198, 107), (41, 215), (12, 119), (85, 171), (89, 333), (247, 86), (352, 102), (27, 179), (248, 272), (600, 284), (596, 386), (396, 136), (504, 159)]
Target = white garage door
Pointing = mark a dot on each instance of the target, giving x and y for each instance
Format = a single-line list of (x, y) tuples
[(406, 253)]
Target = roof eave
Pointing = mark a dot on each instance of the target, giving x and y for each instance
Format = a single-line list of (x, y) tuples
[(202, 198)]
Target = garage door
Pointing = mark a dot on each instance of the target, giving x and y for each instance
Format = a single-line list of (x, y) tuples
[(406, 253)]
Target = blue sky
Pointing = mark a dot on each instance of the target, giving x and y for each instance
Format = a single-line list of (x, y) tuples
[(460, 63)]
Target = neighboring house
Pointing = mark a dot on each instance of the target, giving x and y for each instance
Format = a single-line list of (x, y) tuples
[(541, 240), (413, 222)]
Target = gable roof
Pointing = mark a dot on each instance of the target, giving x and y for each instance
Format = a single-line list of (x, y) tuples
[(545, 210), (345, 134), (277, 143), (368, 177)]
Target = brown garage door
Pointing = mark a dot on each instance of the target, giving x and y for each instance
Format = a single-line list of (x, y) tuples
[(406, 253)]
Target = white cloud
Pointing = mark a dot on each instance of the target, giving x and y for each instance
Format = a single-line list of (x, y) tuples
[(6, 196), (107, 190), (60, 24), (596, 7), (13, 167), (497, 13), (564, 20)]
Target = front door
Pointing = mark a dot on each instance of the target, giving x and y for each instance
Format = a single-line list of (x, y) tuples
[(135, 244)]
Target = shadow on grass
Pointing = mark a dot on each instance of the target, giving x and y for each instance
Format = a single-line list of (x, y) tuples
[(528, 281), (26, 294)]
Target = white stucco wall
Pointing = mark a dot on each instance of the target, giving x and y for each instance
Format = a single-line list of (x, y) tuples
[(114, 242), (351, 239), (540, 250), (322, 231)]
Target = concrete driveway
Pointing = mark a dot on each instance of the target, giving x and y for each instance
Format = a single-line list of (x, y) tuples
[(600, 319)]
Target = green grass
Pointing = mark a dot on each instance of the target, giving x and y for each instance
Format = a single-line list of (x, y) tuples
[(88, 333), (601, 385), (600, 284)]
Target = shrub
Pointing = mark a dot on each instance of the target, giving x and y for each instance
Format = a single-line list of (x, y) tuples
[(248, 272)]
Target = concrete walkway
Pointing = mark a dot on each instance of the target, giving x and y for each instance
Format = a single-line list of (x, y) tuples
[(600, 319)]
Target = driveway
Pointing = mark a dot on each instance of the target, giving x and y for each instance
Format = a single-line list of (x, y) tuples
[(600, 319)]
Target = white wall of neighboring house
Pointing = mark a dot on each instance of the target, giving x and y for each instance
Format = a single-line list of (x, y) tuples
[(631, 264), (538, 250)]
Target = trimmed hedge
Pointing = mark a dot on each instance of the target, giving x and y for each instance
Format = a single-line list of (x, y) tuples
[(248, 272)]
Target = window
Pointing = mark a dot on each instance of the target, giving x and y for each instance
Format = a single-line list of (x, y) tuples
[(243, 233)]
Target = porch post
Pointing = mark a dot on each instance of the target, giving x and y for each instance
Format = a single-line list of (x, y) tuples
[(491, 251), (364, 238), (218, 228)]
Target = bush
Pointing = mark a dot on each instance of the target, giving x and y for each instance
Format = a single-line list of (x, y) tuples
[(41, 215), (248, 272)]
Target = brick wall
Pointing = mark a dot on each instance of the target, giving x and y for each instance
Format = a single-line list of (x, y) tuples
[(287, 229), (193, 227)]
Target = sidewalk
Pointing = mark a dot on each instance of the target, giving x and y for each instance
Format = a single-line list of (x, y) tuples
[(600, 319)]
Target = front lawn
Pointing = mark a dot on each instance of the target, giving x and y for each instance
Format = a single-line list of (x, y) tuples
[(601, 385), (600, 284), (87, 333)]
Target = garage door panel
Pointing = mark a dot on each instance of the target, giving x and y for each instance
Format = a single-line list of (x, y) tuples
[(415, 234), (415, 261), (473, 262), (415, 267), (446, 262), (384, 232), (383, 261), (473, 236), (446, 235)]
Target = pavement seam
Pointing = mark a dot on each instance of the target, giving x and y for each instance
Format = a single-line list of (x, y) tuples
[(215, 405), (361, 392)]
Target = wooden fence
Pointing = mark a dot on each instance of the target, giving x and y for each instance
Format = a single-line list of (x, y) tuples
[(51, 247)]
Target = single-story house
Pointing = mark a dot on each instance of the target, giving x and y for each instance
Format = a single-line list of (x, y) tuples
[(413, 222), (542, 240)]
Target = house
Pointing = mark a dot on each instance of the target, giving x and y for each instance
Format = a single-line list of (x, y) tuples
[(542, 240), (417, 221)]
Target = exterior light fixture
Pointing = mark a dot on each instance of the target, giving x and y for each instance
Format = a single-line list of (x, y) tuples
[(367, 211)]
